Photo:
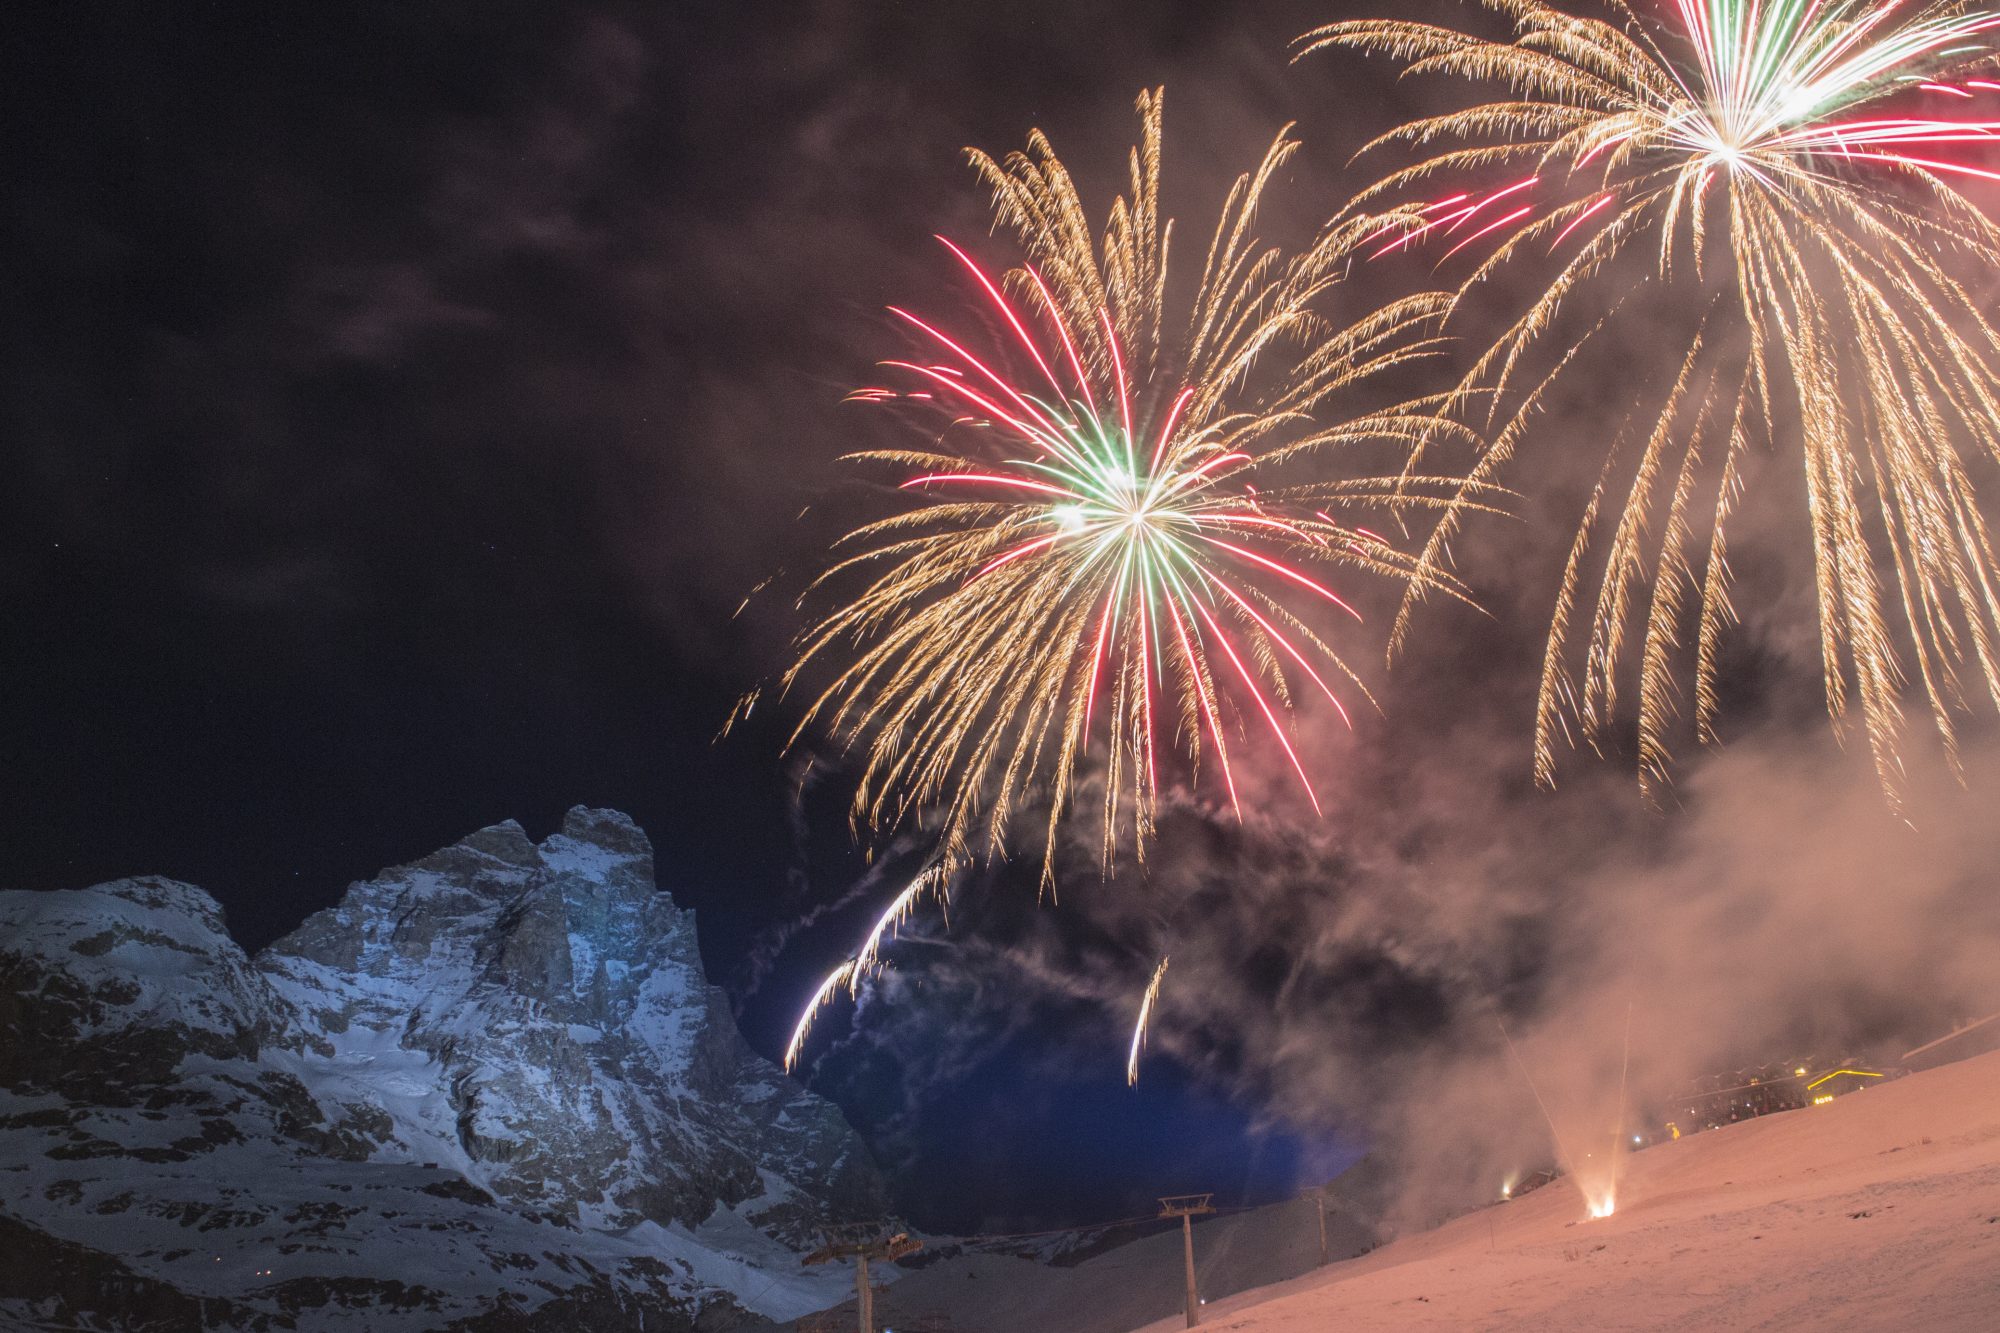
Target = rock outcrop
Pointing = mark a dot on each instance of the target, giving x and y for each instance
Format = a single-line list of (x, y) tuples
[(492, 1089)]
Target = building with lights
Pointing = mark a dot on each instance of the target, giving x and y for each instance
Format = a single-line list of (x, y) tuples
[(1825, 1087), (1743, 1094)]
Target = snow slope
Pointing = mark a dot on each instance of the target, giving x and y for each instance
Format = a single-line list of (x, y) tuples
[(1880, 1210), (987, 1292)]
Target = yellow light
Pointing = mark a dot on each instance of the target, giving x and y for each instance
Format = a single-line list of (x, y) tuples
[(1800, 1072), (1823, 1099), (1858, 1073)]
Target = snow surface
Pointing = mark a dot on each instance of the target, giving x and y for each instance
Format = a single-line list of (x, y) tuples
[(1880, 1210), (1003, 1287)]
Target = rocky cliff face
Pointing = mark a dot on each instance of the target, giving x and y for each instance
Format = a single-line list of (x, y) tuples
[(491, 1089)]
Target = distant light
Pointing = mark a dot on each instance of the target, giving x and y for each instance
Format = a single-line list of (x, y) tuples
[(1858, 1073), (1800, 1072), (1635, 1138)]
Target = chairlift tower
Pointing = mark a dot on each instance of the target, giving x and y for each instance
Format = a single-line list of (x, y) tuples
[(1318, 1196), (862, 1244), (1188, 1207)]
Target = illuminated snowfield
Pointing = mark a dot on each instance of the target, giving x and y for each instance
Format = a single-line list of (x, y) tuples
[(1877, 1211)]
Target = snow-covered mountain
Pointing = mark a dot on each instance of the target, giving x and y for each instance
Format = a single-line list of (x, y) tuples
[(489, 1090)]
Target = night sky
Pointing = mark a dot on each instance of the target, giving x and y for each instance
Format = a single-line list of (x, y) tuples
[(400, 400)]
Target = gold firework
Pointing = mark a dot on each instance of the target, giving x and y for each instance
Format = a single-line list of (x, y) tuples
[(1146, 1003), (1796, 200), (1107, 552)]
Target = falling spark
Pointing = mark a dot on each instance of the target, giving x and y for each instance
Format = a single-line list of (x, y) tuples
[(1783, 161), (834, 980), (1105, 561), (1139, 1028), (935, 878), (905, 902)]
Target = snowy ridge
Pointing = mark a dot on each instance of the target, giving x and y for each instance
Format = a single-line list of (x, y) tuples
[(492, 1089)]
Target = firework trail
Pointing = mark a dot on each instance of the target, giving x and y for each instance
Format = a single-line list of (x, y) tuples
[(934, 879), (1781, 163), (833, 982), (1106, 551), (1139, 1028), (931, 880)]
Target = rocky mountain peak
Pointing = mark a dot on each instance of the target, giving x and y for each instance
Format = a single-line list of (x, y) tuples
[(519, 1032)]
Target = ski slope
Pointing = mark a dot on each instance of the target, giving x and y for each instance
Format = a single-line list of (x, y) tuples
[(1880, 1210)]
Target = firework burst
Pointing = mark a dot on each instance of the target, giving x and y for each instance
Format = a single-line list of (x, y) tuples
[(1109, 550), (1780, 163)]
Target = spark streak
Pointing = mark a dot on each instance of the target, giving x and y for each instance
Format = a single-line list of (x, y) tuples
[(834, 980), (1139, 1028), (935, 878)]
